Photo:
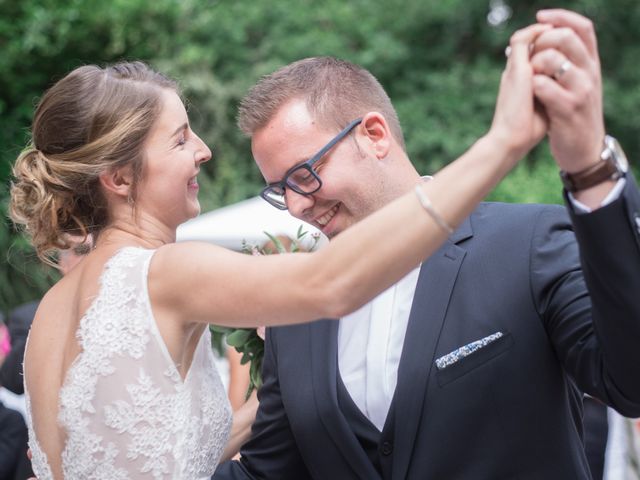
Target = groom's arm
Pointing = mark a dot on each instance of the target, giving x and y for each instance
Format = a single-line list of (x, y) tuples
[(595, 330), (587, 295), (271, 452), (609, 240)]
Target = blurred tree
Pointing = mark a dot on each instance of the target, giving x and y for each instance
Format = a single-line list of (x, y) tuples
[(440, 61)]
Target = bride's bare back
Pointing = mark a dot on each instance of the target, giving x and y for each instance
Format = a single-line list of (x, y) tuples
[(114, 401)]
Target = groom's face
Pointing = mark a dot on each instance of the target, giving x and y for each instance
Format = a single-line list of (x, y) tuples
[(349, 176)]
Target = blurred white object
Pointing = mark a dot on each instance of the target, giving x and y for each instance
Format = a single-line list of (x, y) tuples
[(499, 13), (13, 401), (623, 448), (243, 221)]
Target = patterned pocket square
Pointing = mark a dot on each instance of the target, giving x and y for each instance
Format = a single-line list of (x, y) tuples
[(462, 352)]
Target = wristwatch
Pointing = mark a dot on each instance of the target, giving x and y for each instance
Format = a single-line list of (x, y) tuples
[(613, 164)]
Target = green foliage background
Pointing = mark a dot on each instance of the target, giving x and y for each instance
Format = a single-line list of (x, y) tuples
[(440, 61)]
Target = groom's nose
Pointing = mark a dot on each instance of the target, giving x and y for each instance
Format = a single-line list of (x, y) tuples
[(299, 205)]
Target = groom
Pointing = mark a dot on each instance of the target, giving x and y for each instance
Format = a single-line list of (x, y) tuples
[(473, 366)]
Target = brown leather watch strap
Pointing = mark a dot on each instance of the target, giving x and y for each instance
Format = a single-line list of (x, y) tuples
[(605, 169)]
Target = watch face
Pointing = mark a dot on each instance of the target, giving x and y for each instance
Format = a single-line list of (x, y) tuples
[(618, 154)]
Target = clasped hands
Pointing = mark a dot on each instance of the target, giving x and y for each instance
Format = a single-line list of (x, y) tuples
[(555, 65)]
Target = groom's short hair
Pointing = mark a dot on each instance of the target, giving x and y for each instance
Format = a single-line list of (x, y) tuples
[(335, 91)]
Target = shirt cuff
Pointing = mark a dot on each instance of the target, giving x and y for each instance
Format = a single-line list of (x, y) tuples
[(613, 195)]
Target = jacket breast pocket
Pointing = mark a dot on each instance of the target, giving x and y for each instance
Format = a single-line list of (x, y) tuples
[(471, 356)]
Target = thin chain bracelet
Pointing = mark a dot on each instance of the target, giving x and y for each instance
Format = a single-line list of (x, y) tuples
[(428, 206)]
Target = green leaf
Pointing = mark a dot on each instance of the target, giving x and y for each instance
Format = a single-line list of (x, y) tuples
[(221, 329), (276, 242), (238, 337), (246, 357)]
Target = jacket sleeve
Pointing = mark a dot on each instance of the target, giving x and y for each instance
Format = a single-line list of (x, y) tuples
[(271, 452), (13, 441), (588, 294)]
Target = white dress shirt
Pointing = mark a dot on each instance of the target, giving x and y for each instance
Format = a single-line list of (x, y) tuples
[(370, 343), (613, 195)]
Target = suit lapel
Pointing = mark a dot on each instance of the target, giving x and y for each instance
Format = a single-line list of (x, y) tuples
[(433, 291), (323, 336)]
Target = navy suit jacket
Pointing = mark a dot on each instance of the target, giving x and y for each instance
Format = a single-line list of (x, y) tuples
[(511, 410)]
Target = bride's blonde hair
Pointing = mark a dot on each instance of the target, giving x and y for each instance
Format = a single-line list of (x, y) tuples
[(91, 121)]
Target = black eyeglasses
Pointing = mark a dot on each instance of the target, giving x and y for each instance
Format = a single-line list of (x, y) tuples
[(302, 178)]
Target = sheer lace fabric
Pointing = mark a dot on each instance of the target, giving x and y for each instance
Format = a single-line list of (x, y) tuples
[(125, 409)]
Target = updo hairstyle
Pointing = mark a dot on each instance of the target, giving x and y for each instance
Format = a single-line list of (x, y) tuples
[(91, 121)]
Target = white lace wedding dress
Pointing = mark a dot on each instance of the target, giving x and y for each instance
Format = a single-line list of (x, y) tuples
[(125, 410)]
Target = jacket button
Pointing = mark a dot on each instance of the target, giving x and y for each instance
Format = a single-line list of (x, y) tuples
[(386, 448)]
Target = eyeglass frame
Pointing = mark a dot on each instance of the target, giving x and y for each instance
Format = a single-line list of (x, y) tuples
[(306, 165)]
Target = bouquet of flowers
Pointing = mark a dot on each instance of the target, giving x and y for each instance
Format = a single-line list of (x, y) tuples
[(250, 341)]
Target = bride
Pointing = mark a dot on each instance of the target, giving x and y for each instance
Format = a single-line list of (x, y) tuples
[(119, 375)]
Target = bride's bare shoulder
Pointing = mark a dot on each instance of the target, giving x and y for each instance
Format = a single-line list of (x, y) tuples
[(57, 303), (52, 310), (45, 346), (52, 338)]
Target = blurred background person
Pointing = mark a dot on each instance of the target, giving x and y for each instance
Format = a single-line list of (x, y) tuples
[(14, 464)]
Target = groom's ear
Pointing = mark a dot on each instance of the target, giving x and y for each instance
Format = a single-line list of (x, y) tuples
[(376, 130)]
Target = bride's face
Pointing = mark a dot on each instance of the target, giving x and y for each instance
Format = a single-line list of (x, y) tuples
[(173, 154)]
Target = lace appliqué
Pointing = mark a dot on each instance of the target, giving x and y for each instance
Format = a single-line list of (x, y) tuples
[(127, 416)]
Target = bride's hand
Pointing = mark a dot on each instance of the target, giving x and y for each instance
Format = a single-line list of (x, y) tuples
[(518, 123), (243, 418), (30, 455)]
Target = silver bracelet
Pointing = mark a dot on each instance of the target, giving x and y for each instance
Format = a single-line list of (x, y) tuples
[(428, 206)]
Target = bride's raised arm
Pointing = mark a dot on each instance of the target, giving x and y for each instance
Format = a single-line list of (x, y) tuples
[(204, 283)]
